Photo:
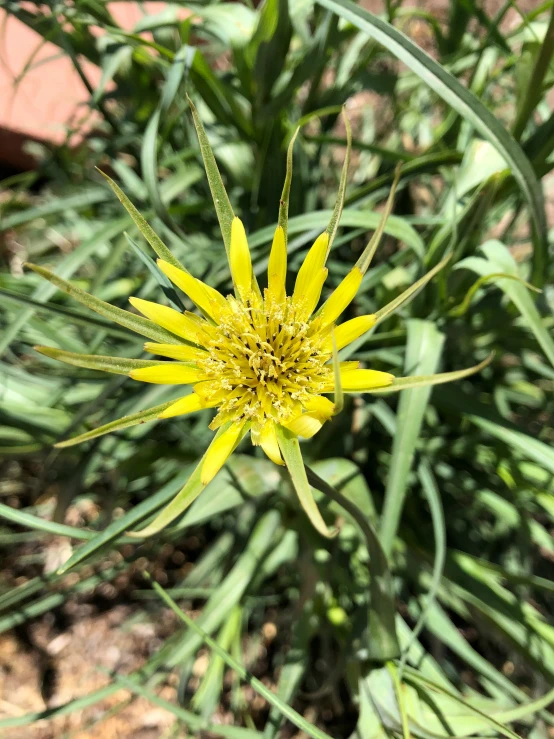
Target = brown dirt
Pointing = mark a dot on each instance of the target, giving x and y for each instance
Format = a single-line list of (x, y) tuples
[(46, 668)]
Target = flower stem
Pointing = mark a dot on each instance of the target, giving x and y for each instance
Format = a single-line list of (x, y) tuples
[(535, 86), (383, 642)]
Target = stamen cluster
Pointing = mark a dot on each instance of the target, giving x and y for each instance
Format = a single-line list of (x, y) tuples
[(264, 361)]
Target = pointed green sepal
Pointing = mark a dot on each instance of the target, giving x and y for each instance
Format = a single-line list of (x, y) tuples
[(132, 321), (367, 255), (142, 224), (116, 365), (410, 293), (405, 383), (290, 449), (337, 210), (184, 498), (283, 219), (149, 414), (187, 495), (221, 200)]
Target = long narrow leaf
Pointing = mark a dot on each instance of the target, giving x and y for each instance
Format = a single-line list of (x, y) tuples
[(258, 686), (461, 99), (423, 352), (60, 310), (135, 323), (429, 486), (65, 269), (498, 259)]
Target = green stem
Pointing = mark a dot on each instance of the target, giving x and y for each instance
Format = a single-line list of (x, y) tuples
[(383, 642), (535, 86)]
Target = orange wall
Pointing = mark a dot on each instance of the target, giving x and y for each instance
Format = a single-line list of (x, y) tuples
[(40, 103)]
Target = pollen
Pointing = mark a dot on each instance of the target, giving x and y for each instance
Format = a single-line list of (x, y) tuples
[(264, 362)]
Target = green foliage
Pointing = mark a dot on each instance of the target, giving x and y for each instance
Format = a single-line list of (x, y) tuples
[(441, 496)]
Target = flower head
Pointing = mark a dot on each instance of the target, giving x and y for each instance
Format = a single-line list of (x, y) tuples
[(264, 360)]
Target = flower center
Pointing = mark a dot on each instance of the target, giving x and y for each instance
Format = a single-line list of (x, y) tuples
[(263, 362)]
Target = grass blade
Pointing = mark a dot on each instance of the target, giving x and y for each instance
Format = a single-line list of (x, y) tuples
[(295, 718), (429, 487), (460, 98), (115, 530), (499, 260), (194, 722), (60, 310), (423, 352)]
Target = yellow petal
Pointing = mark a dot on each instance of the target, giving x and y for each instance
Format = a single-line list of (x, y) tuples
[(195, 289), (364, 380), (341, 298), (277, 267), (204, 389), (269, 443), (314, 291), (217, 301), (352, 364), (315, 260), (167, 318), (219, 452), (241, 262), (174, 351), (189, 404), (306, 425), (168, 373), (349, 331), (320, 404)]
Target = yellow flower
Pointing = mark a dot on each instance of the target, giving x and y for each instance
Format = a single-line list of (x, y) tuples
[(264, 360)]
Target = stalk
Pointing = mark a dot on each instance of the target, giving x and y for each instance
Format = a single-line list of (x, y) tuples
[(534, 88), (383, 642)]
